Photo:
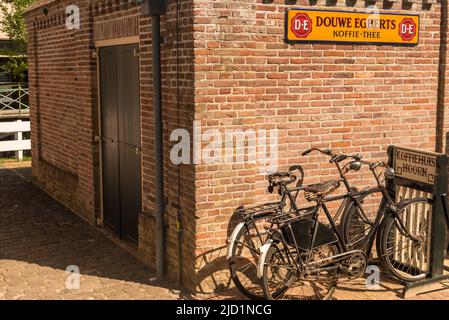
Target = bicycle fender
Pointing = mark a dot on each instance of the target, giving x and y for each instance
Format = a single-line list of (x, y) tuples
[(232, 238), (262, 256), (407, 201)]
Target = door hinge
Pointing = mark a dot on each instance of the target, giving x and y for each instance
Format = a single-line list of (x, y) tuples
[(102, 138), (136, 52)]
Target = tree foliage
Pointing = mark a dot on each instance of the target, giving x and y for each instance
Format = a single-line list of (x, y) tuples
[(13, 24)]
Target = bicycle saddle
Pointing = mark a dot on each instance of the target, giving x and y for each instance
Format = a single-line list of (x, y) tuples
[(314, 191)]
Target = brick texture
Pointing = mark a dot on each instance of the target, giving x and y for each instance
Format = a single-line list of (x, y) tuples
[(352, 98), (225, 65), (63, 85)]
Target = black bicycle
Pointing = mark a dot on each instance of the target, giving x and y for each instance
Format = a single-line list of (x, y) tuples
[(250, 233), (304, 258)]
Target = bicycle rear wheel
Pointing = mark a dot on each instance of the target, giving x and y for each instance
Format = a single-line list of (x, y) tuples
[(408, 260), (244, 258), (281, 280)]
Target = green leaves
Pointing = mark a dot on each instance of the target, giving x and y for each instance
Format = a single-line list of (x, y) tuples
[(13, 24), (17, 67)]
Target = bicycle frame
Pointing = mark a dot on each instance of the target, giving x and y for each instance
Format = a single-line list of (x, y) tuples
[(350, 201), (250, 218), (387, 206)]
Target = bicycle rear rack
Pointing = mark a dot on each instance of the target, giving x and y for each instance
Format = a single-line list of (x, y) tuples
[(259, 209)]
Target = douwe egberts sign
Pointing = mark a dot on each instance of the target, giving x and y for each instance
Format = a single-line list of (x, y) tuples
[(312, 25)]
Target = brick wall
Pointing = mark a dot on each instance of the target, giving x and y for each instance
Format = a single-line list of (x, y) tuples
[(178, 112), (225, 65), (62, 96), (64, 114), (352, 98)]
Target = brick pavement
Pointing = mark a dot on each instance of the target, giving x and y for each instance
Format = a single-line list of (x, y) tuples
[(388, 289), (39, 238)]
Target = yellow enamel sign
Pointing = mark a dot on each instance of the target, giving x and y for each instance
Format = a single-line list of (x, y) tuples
[(305, 25)]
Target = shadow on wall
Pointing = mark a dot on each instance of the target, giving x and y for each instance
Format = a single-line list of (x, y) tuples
[(213, 276)]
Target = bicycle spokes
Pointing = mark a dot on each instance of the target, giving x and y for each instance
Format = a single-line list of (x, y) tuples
[(406, 245)]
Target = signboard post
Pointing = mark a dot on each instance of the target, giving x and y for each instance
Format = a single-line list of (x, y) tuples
[(426, 172), (313, 25)]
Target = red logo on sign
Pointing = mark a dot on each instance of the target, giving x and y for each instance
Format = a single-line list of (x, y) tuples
[(407, 29), (301, 25)]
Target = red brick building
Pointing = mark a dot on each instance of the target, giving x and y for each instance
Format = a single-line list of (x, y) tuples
[(225, 64)]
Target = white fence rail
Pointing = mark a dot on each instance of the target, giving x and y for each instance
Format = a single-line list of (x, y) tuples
[(18, 145), (14, 100)]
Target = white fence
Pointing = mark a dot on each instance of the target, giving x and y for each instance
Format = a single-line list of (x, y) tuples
[(14, 100), (18, 144)]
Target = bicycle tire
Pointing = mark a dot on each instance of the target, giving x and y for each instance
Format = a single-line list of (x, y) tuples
[(354, 229), (379, 234), (256, 291), (292, 277), (402, 264)]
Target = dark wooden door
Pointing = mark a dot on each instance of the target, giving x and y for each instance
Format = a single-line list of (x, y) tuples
[(120, 136)]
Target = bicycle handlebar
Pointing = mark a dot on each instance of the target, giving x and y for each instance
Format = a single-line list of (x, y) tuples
[(327, 152), (341, 157), (353, 165), (334, 157), (374, 165), (356, 164), (279, 175)]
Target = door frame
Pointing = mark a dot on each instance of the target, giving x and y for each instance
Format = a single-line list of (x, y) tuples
[(99, 44)]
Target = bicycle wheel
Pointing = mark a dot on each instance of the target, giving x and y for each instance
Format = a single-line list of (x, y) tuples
[(357, 225), (244, 258), (406, 259), (281, 279)]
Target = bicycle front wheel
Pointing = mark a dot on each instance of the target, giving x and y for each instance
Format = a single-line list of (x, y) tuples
[(407, 259), (356, 225)]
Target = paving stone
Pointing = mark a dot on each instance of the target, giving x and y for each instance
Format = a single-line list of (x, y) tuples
[(39, 238)]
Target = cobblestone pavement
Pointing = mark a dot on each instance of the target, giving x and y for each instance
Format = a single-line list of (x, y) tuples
[(39, 239), (357, 289)]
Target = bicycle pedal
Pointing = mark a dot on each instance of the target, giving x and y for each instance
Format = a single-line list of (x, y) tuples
[(342, 268)]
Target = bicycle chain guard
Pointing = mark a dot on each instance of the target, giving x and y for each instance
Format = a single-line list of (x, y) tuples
[(350, 264)]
